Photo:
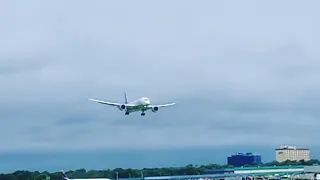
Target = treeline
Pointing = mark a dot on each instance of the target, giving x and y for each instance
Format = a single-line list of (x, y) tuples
[(136, 173)]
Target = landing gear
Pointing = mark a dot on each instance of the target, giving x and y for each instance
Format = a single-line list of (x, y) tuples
[(143, 112), (127, 113)]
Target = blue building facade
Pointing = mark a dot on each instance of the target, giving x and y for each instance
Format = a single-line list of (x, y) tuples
[(241, 159)]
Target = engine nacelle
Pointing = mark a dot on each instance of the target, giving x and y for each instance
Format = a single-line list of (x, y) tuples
[(122, 107), (154, 109)]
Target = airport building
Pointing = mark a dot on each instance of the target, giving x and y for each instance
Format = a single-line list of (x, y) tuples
[(269, 172), (292, 153), (268, 169), (241, 159)]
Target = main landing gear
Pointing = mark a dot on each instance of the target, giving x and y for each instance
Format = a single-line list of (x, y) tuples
[(143, 114), (127, 113)]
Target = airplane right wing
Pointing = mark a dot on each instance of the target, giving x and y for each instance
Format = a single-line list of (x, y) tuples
[(105, 102)]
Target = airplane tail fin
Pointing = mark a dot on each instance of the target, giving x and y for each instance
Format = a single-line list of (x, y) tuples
[(125, 98), (64, 176)]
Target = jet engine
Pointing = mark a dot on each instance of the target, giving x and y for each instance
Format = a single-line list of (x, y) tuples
[(154, 109), (122, 107)]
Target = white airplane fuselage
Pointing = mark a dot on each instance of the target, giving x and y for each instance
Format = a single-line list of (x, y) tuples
[(144, 101), (140, 104)]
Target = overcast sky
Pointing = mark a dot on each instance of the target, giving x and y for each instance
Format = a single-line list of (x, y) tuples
[(244, 70)]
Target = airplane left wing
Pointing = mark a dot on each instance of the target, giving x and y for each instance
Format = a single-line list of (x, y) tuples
[(162, 105), (166, 105)]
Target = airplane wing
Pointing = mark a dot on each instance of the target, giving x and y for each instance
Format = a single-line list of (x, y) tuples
[(105, 102), (162, 105)]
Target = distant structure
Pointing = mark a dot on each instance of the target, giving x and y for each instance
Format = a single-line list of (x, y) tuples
[(292, 153), (241, 159)]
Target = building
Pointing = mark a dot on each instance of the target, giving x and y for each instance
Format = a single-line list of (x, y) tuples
[(218, 171), (269, 169), (292, 153), (241, 159), (265, 172)]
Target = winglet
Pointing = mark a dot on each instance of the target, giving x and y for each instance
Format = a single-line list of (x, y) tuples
[(96, 100)]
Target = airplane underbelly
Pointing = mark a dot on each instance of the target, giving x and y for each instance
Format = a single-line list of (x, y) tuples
[(135, 108)]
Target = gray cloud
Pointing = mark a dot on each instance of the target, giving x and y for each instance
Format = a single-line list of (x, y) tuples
[(239, 74), (10, 66)]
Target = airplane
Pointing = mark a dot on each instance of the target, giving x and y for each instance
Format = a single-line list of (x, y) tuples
[(142, 104), (65, 177)]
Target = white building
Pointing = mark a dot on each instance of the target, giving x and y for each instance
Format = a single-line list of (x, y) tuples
[(292, 153)]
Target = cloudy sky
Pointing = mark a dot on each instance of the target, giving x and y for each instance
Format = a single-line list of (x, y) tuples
[(243, 74)]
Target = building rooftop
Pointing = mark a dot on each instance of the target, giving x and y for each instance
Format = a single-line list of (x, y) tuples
[(265, 167), (221, 175), (245, 154), (283, 147), (197, 176)]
